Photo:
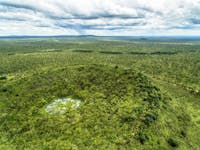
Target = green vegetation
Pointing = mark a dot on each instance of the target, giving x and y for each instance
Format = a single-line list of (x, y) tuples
[(134, 94)]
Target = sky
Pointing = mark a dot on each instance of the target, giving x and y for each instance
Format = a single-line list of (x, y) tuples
[(100, 17)]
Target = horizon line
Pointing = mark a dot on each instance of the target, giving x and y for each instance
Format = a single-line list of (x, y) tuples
[(83, 35)]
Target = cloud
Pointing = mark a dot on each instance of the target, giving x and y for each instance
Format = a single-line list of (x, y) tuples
[(121, 17)]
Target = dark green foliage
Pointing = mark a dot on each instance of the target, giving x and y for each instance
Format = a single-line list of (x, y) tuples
[(4, 89), (137, 53), (183, 133), (110, 52), (172, 142), (150, 118), (113, 111), (83, 51), (3, 77), (142, 137), (163, 53), (153, 53)]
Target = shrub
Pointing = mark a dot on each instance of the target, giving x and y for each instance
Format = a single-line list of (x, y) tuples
[(142, 137), (172, 142), (3, 77), (4, 89), (150, 118)]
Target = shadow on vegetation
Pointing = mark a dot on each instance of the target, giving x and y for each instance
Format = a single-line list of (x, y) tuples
[(3, 77), (11, 53), (134, 53), (153, 53), (56, 50), (110, 52), (83, 51)]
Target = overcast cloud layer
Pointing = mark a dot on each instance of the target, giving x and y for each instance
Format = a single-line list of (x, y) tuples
[(98, 17)]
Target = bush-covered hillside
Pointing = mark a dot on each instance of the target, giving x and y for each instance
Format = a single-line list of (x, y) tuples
[(118, 107)]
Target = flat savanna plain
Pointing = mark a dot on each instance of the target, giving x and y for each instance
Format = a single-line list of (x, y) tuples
[(133, 93)]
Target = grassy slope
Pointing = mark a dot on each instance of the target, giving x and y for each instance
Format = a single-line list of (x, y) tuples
[(189, 104)]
